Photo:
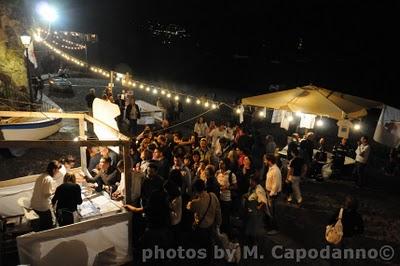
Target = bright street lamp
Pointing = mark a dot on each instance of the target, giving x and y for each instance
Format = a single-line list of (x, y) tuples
[(47, 12)]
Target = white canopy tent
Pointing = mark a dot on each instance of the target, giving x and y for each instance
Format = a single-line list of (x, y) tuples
[(314, 100)]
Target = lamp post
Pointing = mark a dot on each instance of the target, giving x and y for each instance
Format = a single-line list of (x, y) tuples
[(26, 40)]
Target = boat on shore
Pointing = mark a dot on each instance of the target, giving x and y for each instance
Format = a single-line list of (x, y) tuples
[(31, 128)]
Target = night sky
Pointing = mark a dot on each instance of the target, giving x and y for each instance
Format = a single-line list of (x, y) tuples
[(348, 46)]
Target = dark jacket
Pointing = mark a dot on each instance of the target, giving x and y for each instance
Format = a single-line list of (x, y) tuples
[(129, 109), (67, 196)]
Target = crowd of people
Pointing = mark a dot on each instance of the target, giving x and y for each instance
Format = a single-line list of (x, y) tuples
[(198, 185)]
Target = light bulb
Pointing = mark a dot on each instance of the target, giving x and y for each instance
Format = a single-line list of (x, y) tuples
[(155, 91), (168, 95), (320, 123), (176, 97), (163, 92), (238, 110), (261, 114), (206, 104), (357, 126), (147, 88), (213, 106), (188, 100), (198, 101)]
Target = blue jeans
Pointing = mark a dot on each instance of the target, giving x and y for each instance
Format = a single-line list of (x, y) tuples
[(133, 126)]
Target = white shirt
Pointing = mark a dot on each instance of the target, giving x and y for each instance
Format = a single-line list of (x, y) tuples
[(223, 181), (344, 128), (365, 149), (44, 187), (215, 134), (273, 183), (201, 129)]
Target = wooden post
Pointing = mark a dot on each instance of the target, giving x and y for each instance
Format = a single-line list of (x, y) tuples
[(82, 136), (128, 174)]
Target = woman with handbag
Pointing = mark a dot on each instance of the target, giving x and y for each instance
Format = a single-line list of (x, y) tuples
[(207, 216)]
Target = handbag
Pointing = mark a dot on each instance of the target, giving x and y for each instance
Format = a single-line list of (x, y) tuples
[(334, 233), (196, 225)]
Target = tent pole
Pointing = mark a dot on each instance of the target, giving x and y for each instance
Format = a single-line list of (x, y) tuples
[(128, 174), (82, 136)]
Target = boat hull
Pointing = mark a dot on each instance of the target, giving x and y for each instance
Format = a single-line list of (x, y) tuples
[(34, 130)]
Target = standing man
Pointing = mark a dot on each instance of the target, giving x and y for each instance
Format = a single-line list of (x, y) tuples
[(132, 114), (273, 186), (42, 191), (362, 155), (89, 100)]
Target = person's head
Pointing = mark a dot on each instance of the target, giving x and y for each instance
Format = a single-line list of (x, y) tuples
[(120, 166), (93, 151), (203, 143), (53, 168), (269, 159), (209, 171), (199, 186), (254, 181), (92, 91), (221, 127), (177, 161), (364, 140), (104, 151), (164, 123), (177, 137), (105, 163), (203, 164), (212, 123), (152, 169), (295, 136), (132, 100), (196, 156), (247, 162), (351, 203), (224, 164), (269, 138), (69, 178), (321, 141), (310, 136), (69, 162), (343, 141), (187, 160), (201, 120), (158, 153), (162, 140)]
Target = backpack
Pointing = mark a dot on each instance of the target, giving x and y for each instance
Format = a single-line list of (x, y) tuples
[(334, 233)]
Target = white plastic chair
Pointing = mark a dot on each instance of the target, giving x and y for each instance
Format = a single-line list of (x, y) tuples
[(29, 214)]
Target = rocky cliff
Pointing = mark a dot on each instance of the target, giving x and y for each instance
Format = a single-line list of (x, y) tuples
[(12, 25)]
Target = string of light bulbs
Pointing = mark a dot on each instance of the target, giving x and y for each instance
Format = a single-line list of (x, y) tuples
[(128, 82), (61, 41)]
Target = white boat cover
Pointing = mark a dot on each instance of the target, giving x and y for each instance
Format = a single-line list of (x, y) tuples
[(102, 241)]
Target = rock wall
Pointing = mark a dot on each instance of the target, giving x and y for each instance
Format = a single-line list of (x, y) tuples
[(12, 25)]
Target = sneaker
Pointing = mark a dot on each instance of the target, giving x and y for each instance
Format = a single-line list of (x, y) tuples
[(272, 232)]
